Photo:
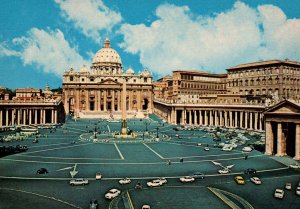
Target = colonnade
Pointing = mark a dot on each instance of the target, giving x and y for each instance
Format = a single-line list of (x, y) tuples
[(228, 118), (18, 116)]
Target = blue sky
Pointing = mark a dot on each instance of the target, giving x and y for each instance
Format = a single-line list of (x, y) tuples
[(41, 39)]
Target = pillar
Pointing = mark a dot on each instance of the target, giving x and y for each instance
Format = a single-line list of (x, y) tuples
[(255, 120), (281, 143), (269, 139), (44, 116), (226, 120), (221, 118), (200, 118), (55, 116), (52, 116), (216, 118), (6, 118), (241, 119), (260, 121), (190, 117), (19, 116), (30, 117), (35, 117), (230, 119), (210, 118), (297, 143), (235, 119), (0, 118), (104, 105), (251, 120), (175, 117), (246, 120), (195, 118), (205, 118)]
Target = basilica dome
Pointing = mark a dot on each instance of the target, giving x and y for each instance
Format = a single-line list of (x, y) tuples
[(107, 55)]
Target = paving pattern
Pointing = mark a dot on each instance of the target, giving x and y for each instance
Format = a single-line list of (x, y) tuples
[(176, 154)]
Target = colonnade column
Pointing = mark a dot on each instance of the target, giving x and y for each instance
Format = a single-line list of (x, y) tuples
[(210, 118), (269, 139), (226, 120), (297, 142), (200, 118), (230, 119), (235, 119), (44, 116), (255, 120), (241, 119), (0, 117), (19, 117), (260, 121), (251, 121), (175, 116), (246, 120), (281, 142), (195, 118), (190, 117), (104, 105), (221, 118), (30, 117), (216, 118), (205, 118)]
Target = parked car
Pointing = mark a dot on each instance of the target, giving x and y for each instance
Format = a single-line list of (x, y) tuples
[(227, 148), (35, 140), (223, 171), (146, 207), (187, 179), (111, 194), (42, 171), (295, 166), (298, 189), (255, 180), (78, 182), (125, 181), (206, 148), (94, 204), (288, 186), (239, 180), (250, 171), (279, 193), (247, 149), (98, 176)]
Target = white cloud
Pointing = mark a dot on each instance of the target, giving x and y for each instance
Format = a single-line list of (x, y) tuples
[(89, 16), (5, 51), (48, 50), (179, 39)]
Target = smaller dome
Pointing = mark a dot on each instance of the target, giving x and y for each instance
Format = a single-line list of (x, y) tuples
[(84, 69), (130, 71)]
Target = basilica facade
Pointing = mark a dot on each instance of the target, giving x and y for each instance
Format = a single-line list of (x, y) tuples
[(95, 92)]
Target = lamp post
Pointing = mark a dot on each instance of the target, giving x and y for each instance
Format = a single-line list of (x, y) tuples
[(146, 123), (157, 132)]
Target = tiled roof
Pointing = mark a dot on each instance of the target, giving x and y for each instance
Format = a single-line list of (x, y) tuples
[(269, 62)]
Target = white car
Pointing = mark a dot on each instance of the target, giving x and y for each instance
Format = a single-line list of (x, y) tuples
[(125, 181), (279, 193), (98, 176), (227, 148), (156, 182), (223, 171), (298, 190), (206, 148), (295, 166), (247, 149), (112, 194), (146, 207), (288, 186), (187, 179), (78, 182), (255, 180)]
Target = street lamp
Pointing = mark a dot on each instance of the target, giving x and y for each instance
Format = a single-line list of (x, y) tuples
[(146, 123), (157, 132)]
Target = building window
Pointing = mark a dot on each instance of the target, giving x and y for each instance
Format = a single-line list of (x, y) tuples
[(145, 80), (71, 78), (82, 79)]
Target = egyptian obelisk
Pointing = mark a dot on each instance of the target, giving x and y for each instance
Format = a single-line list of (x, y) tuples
[(124, 120)]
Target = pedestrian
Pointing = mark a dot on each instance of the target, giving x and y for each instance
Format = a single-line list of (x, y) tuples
[(246, 157), (169, 162), (181, 160)]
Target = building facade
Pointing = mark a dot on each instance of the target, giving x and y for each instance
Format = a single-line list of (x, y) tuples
[(259, 80), (31, 107), (96, 92), (190, 86)]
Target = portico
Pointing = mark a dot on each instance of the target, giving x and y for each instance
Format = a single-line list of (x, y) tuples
[(283, 130)]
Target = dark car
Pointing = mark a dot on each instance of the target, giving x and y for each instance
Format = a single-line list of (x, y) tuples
[(94, 204), (42, 171), (198, 175), (250, 171)]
